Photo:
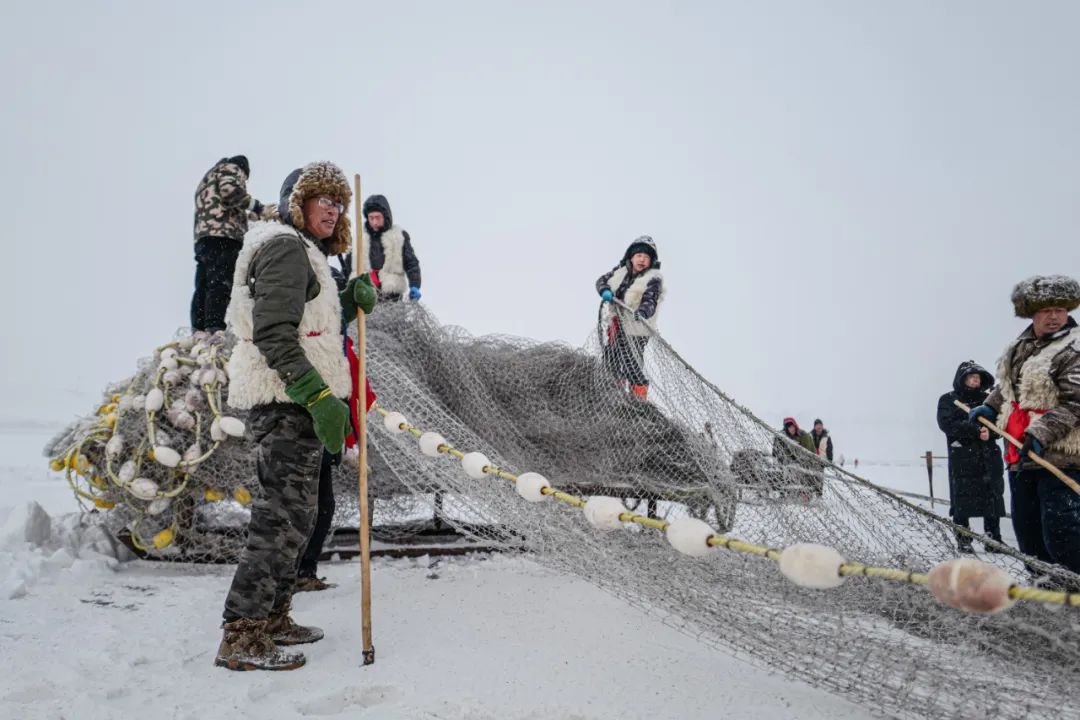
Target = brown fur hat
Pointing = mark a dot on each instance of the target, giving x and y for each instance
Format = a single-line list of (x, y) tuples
[(1045, 291), (318, 178)]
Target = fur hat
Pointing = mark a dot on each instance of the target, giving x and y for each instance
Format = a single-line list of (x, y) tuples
[(317, 178), (1045, 291)]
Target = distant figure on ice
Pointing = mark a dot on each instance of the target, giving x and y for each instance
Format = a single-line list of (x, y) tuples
[(222, 204), (1037, 400), (288, 368), (976, 472), (803, 468), (636, 282), (394, 267), (822, 440)]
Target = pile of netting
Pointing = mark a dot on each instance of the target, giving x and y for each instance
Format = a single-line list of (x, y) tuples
[(687, 451)]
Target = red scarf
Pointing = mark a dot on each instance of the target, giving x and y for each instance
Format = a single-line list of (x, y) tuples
[(1017, 426), (354, 366)]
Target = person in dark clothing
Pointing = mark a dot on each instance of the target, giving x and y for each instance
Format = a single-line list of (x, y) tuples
[(394, 267), (637, 283), (222, 207), (822, 440), (976, 469)]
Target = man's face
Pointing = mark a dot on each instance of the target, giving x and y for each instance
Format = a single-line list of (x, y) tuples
[(973, 380), (376, 220), (1049, 320), (321, 214), (639, 261), (818, 427)]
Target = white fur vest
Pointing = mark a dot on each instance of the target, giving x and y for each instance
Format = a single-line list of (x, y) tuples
[(251, 381), (1037, 387), (392, 277), (632, 298)]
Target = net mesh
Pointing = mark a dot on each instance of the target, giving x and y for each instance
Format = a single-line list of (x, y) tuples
[(571, 414)]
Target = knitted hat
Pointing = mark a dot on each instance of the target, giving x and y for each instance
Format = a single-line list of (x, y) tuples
[(317, 178), (1045, 291)]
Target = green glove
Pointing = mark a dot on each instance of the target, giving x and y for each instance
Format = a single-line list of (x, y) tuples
[(329, 414), (359, 293)]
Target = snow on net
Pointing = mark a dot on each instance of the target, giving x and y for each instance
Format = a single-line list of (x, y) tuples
[(689, 451)]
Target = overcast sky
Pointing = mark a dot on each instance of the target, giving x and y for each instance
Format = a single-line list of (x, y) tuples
[(843, 193)]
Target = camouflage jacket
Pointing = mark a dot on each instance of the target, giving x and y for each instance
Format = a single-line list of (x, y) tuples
[(222, 203)]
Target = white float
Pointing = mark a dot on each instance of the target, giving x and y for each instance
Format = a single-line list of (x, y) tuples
[(474, 463), (430, 442), (143, 488), (689, 535), (530, 486), (166, 456), (393, 422), (971, 585), (812, 566), (603, 512)]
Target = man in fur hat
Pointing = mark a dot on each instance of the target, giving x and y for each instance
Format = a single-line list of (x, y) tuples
[(637, 283), (288, 369), (1037, 400), (222, 207)]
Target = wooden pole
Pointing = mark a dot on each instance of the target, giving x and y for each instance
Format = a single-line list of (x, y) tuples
[(361, 442), (930, 475), (1038, 460)]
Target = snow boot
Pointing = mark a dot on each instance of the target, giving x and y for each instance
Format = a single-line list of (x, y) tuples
[(281, 628), (963, 544), (247, 646), (641, 392), (312, 584)]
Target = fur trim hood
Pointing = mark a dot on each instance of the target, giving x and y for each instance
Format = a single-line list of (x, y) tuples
[(643, 244), (1045, 291), (317, 178)]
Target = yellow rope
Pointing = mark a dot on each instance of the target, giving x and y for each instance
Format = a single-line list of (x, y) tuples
[(1016, 592)]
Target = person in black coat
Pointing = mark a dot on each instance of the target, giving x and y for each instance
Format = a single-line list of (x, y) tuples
[(976, 468)]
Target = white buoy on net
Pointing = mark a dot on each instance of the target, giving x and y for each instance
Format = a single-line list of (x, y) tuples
[(143, 488), (474, 463), (393, 422), (158, 506), (531, 486), (231, 426), (115, 445), (166, 456), (155, 399), (690, 536), (971, 585), (812, 566), (603, 512), (430, 442), (127, 472), (216, 433)]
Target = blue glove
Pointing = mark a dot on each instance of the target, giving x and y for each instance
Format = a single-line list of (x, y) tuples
[(984, 411), (414, 293), (606, 295), (1031, 445)]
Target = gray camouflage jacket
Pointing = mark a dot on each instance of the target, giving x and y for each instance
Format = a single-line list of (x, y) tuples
[(222, 202)]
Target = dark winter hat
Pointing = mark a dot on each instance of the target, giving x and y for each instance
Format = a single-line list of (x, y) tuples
[(242, 161), (643, 244), (970, 367), (818, 422), (317, 178), (378, 203), (1045, 291)]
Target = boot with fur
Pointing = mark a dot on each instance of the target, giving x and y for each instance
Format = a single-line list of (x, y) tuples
[(284, 631), (247, 646)]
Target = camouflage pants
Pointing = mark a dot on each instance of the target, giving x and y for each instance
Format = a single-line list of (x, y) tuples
[(288, 456)]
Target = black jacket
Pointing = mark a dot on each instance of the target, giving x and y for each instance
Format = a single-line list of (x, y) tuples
[(375, 248), (976, 467)]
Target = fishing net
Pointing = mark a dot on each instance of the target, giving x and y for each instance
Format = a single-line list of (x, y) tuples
[(622, 416)]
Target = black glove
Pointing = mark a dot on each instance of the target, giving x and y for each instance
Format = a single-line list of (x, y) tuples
[(257, 207), (1031, 445)]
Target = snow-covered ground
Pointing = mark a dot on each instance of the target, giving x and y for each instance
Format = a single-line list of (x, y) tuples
[(83, 636)]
